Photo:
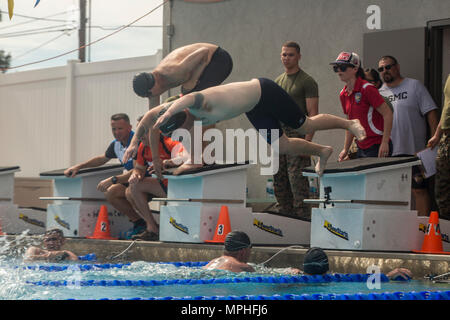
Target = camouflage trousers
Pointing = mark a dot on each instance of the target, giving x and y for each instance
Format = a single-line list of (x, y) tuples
[(442, 178), (290, 186)]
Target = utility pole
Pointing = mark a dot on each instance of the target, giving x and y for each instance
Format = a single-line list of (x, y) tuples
[(82, 32)]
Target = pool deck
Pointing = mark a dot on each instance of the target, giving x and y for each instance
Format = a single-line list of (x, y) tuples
[(340, 261)]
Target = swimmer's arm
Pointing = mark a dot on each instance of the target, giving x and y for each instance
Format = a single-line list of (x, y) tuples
[(154, 146), (193, 100), (34, 253), (193, 61), (72, 256), (146, 123)]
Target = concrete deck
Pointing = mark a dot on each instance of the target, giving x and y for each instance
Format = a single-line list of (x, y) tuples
[(340, 261)]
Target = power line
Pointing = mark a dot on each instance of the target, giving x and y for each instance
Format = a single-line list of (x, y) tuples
[(37, 18), (32, 31), (95, 41), (31, 21), (41, 45)]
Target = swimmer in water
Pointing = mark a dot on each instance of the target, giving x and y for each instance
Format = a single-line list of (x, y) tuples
[(52, 243), (236, 254)]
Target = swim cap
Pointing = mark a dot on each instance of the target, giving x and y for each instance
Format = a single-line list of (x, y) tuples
[(142, 83), (315, 261), (173, 123), (237, 240)]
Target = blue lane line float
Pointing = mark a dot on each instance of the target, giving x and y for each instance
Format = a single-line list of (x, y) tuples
[(422, 295), (98, 267), (150, 283), (77, 267)]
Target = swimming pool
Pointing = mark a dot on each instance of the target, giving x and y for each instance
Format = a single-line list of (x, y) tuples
[(145, 280)]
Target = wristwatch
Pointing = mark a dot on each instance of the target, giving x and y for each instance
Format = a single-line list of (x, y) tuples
[(114, 179)]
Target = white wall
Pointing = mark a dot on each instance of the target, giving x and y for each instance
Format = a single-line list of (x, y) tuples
[(53, 118)]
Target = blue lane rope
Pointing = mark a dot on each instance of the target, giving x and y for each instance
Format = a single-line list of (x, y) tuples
[(413, 295), (97, 267), (150, 283)]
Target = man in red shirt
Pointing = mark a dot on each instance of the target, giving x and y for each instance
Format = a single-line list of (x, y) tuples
[(144, 187), (361, 100)]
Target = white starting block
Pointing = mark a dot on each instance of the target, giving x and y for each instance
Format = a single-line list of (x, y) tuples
[(194, 201), (13, 219), (365, 205), (77, 202)]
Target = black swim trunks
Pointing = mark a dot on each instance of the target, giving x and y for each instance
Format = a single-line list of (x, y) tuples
[(218, 69), (275, 106)]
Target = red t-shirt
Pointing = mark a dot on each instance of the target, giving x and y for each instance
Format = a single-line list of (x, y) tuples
[(361, 104), (144, 155)]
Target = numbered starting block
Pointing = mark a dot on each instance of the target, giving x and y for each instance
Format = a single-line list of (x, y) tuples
[(14, 219), (365, 205), (194, 201), (77, 202)]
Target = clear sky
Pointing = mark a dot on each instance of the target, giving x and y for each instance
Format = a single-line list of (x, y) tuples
[(46, 38)]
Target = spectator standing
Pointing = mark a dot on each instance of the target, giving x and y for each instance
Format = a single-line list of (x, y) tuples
[(290, 186), (413, 110), (442, 138), (361, 100)]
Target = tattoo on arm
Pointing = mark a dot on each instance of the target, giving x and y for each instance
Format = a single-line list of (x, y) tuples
[(198, 100), (141, 131), (161, 112)]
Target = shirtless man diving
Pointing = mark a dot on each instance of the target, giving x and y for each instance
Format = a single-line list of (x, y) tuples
[(195, 67), (265, 105)]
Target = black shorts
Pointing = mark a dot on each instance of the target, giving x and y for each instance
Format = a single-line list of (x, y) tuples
[(275, 106), (218, 69), (416, 172)]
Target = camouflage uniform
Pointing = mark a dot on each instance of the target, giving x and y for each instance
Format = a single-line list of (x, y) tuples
[(290, 186), (442, 177)]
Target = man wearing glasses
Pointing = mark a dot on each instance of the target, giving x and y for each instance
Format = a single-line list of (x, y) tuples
[(413, 110), (51, 251)]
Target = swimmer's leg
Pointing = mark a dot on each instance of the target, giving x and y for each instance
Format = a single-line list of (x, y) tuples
[(327, 121), (299, 147)]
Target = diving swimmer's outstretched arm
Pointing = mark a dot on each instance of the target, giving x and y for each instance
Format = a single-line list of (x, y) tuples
[(146, 123), (192, 100)]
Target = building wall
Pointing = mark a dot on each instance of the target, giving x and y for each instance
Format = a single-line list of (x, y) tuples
[(254, 30), (56, 117)]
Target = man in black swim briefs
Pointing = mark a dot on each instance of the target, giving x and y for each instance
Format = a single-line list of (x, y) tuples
[(195, 67), (262, 100)]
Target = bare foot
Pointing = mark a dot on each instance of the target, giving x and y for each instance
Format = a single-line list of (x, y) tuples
[(357, 129), (186, 167), (323, 158)]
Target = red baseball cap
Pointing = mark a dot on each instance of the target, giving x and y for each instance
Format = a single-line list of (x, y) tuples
[(348, 58)]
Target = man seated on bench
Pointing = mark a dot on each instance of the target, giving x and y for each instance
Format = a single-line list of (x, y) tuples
[(142, 187)]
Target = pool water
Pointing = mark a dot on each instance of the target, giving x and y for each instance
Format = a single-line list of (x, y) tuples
[(24, 281)]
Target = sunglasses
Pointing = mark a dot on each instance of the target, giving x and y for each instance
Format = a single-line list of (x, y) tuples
[(51, 239), (387, 67), (342, 67)]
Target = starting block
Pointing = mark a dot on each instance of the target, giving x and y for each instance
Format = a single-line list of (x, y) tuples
[(365, 205), (77, 202), (14, 219), (194, 200)]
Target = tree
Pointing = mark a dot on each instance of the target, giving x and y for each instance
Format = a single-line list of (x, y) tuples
[(5, 60)]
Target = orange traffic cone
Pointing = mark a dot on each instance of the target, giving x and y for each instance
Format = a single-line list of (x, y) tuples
[(223, 226), (432, 242), (102, 227), (1, 232)]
